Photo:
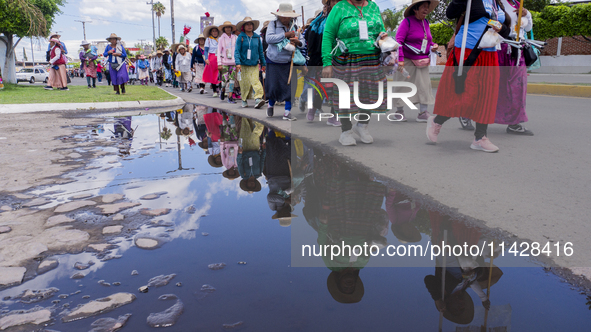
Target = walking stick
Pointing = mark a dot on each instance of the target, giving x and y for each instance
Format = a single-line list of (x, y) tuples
[(492, 257), (465, 37), (518, 25), (443, 280), (291, 68)]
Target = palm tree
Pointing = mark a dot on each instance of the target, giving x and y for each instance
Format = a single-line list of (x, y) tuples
[(392, 19), (159, 9)]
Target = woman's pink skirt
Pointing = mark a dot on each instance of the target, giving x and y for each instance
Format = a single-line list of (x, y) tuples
[(211, 74)]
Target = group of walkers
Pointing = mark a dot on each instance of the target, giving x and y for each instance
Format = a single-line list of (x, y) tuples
[(347, 40)]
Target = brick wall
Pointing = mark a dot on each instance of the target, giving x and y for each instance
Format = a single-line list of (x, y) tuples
[(570, 46)]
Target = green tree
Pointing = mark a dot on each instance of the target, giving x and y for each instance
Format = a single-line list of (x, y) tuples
[(159, 9), (392, 19), (24, 18), (536, 5), (161, 43), (438, 14)]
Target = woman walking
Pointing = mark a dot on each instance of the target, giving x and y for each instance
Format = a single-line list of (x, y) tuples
[(249, 55), (88, 63), (198, 63), (117, 55), (313, 37), (476, 97), (513, 79), (280, 34), (58, 78), (226, 62), (211, 73), (143, 66), (183, 64), (354, 26), (414, 36), (99, 70)]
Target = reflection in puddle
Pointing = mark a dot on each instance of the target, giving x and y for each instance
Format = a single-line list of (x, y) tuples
[(133, 212)]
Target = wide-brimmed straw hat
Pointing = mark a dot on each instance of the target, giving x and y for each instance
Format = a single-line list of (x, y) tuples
[(286, 10), (247, 20), (55, 34), (257, 186), (338, 295), (201, 36), (432, 5), (55, 40), (181, 46), (265, 24), (227, 24), (159, 52), (207, 30), (84, 42), (113, 35), (229, 176), (213, 162)]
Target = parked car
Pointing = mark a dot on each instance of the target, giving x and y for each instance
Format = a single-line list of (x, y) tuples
[(32, 75)]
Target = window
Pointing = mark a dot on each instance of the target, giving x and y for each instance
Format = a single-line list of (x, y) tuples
[(26, 70), (36, 71)]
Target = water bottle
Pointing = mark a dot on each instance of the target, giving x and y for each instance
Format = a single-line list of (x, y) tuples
[(239, 76), (240, 142), (405, 74)]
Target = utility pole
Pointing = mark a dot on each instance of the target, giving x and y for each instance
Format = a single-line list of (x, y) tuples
[(83, 26), (142, 45), (32, 52), (151, 3), (172, 19)]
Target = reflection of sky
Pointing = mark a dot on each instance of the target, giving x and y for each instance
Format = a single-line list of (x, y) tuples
[(266, 293)]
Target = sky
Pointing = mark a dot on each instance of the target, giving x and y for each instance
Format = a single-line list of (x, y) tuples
[(132, 19)]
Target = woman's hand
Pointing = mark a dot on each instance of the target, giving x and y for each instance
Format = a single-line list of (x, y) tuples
[(434, 47), (440, 305), (290, 34), (327, 72), (238, 68), (523, 12), (383, 35), (207, 62), (400, 66), (486, 304), (220, 67), (264, 68), (295, 41)]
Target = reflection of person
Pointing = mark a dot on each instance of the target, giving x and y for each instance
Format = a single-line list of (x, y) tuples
[(278, 175), (414, 31), (344, 205), (251, 158), (401, 213), (123, 130), (117, 55), (88, 63)]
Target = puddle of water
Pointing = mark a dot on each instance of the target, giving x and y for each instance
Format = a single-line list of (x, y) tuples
[(214, 221)]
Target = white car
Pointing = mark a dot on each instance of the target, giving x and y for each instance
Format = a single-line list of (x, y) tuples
[(32, 75)]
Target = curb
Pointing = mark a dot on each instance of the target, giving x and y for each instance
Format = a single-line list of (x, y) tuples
[(32, 108), (564, 90)]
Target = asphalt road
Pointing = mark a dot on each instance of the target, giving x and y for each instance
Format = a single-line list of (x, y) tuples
[(536, 188)]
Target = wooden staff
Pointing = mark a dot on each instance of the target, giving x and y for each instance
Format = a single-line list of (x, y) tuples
[(291, 68), (492, 257), (518, 25)]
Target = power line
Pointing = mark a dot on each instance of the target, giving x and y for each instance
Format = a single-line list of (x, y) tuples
[(100, 19)]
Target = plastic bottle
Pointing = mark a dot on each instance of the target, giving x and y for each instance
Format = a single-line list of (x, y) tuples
[(239, 77), (405, 73)]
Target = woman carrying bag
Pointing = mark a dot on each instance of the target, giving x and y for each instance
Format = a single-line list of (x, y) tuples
[(414, 35), (117, 55)]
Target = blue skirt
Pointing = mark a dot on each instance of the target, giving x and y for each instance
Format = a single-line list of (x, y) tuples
[(118, 77)]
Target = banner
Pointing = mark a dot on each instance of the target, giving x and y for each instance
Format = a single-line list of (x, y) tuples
[(205, 22)]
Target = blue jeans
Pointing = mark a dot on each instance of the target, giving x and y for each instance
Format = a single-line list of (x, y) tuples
[(287, 104), (99, 75)]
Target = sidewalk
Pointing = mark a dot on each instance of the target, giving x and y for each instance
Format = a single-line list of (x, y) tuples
[(140, 104), (535, 188)]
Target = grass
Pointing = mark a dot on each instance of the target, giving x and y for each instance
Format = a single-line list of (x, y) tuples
[(22, 94), (583, 84)]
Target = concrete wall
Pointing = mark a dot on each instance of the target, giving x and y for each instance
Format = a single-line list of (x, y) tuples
[(565, 64), (8, 73)]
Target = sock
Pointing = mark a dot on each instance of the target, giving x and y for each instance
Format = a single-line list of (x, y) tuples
[(287, 106), (423, 108)]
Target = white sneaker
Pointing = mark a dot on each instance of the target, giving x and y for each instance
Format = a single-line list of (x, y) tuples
[(347, 138), (363, 133)]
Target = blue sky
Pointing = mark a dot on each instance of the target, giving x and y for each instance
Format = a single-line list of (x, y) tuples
[(132, 19)]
